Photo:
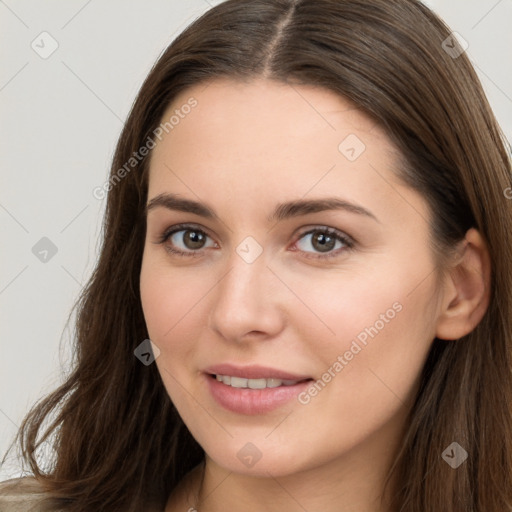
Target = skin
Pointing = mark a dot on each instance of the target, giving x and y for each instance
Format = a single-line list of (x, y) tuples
[(242, 150)]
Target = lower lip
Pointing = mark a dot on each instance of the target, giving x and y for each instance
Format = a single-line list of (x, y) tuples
[(253, 401)]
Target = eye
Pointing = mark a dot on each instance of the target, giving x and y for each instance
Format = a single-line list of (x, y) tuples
[(325, 242), (186, 240), (189, 240)]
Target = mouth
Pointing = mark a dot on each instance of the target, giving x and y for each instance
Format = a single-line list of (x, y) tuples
[(253, 390), (263, 383)]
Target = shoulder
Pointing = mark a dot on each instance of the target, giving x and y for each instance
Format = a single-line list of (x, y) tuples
[(21, 495), (26, 494)]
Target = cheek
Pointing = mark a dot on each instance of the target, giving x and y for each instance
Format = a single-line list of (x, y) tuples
[(359, 327), (168, 299), (368, 370), (170, 302)]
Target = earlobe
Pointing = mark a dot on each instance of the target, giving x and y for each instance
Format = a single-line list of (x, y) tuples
[(467, 291)]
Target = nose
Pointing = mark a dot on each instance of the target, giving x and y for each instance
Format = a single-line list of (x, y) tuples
[(248, 302)]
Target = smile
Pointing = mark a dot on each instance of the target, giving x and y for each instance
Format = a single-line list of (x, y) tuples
[(253, 390), (240, 382)]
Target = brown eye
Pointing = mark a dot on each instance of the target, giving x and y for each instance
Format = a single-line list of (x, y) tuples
[(323, 242), (193, 239), (186, 240), (328, 241)]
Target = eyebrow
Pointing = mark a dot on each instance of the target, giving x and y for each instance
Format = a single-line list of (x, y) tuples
[(281, 212)]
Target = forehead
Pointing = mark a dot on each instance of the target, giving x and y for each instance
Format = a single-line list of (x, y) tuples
[(270, 123), (248, 146), (266, 107)]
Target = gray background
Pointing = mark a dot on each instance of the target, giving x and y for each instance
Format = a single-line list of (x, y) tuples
[(60, 119)]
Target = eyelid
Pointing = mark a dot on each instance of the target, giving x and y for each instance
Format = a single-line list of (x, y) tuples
[(326, 229)]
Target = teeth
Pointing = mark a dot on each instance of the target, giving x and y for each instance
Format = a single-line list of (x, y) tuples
[(239, 382), (274, 383)]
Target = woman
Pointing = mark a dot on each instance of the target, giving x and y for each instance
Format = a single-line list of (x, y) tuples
[(307, 216)]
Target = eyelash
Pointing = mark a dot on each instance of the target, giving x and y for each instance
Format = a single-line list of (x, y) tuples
[(347, 241)]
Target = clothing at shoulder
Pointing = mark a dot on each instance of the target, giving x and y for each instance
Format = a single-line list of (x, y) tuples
[(21, 495), (26, 494)]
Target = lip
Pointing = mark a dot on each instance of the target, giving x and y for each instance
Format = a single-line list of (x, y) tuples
[(253, 372), (253, 401)]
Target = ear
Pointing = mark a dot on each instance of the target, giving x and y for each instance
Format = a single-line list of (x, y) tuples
[(467, 292)]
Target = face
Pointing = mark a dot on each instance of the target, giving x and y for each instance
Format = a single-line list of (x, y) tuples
[(283, 254)]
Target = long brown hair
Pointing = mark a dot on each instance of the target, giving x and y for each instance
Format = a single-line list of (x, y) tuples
[(119, 442)]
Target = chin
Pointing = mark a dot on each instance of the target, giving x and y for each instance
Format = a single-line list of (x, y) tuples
[(258, 458)]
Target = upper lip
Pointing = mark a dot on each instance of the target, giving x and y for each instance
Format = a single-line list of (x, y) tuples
[(253, 372)]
